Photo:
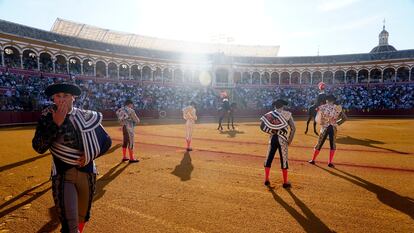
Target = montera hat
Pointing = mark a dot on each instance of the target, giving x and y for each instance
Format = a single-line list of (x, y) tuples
[(331, 98), (63, 87), (279, 103)]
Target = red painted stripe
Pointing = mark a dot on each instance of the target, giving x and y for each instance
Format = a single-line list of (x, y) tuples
[(262, 157)]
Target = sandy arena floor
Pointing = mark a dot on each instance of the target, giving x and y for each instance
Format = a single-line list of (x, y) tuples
[(218, 187)]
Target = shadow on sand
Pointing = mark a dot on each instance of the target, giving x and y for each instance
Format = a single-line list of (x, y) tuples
[(390, 198), (310, 222), (365, 142), (108, 178), (34, 196), (23, 162), (231, 133), (185, 168), (114, 148)]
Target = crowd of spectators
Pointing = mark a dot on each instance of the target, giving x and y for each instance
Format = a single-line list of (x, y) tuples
[(19, 93), (361, 97)]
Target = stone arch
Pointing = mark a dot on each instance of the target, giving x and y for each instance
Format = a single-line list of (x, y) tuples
[(327, 77), (265, 78), (158, 74), (403, 74), (389, 74), (375, 75), (306, 78), (316, 77), (124, 71), (88, 66), (339, 77), (147, 73), (100, 68), (45, 61), (256, 78), (30, 59), (295, 77), (363, 76), (167, 75), (74, 65), (274, 78), (135, 72), (284, 78), (351, 76), (12, 56), (112, 70), (61, 64)]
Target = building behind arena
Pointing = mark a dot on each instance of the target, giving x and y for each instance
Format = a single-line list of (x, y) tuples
[(89, 53)]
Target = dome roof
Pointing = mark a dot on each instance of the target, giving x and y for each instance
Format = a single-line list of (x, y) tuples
[(383, 48), (383, 45)]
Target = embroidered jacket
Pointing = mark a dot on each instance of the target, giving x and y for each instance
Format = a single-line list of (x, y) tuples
[(80, 134), (189, 113), (127, 116), (276, 122), (329, 114)]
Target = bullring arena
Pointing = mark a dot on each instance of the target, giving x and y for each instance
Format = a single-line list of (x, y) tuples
[(217, 187)]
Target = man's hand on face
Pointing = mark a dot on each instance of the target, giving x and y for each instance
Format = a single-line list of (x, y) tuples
[(59, 114)]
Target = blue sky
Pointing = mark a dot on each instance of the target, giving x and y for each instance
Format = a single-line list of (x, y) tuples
[(300, 27)]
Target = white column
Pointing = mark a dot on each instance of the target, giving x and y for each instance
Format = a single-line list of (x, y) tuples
[(117, 69), (81, 65), (260, 80), (357, 77), (21, 61), (67, 66), (409, 73), (2, 58), (129, 72), (53, 64), (94, 69), (152, 75), (106, 67), (38, 63), (172, 75)]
